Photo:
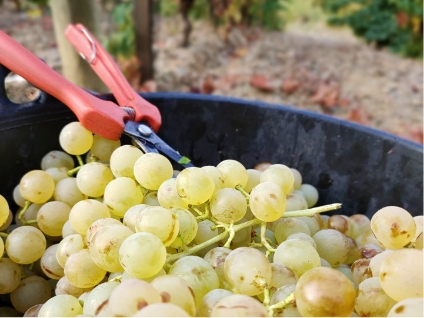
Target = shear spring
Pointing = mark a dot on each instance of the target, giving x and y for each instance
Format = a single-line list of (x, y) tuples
[(130, 111)]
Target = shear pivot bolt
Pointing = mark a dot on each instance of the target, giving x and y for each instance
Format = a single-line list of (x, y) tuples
[(144, 130)]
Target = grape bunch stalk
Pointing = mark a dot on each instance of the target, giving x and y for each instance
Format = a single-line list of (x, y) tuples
[(123, 234)]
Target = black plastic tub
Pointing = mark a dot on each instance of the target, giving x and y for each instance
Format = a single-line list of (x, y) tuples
[(362, 168)]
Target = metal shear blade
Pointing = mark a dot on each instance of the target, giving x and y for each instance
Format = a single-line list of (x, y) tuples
[(145, 138)]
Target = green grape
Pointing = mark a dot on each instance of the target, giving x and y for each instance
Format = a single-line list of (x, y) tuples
[(37, 186), (393, 227), (168, 196), (205, 232), (253, 179), (401, 274), (69, 245), (123, 159), (234, 172), (161, 310), (130, 217), (33, 311), (228, 205), (58, 173), (216, 258), (323, 291), (313, 222), (409, 307), (303, 237), (311, 194), (67, 191), (4, 210), (354, 253), (151, 169), (296, 202), (297, 179), (267, 202), (280, 295), (61, 306), (75, 139), (297, 255), (248, 280), (17, 197), (209, 301), (175, 290), (25, 245), (368, 237), (121, 194), (93, 178), (360, 270), (85, 212), (97, 296), (195, 186), (132, 295), (187, 227), (280, 175), (63, 287), (67, 229), (105, 244), (151, 199), (57, 159), (31, 291), (10, 275), (340, 223), (1, 248), (142, 254), (419, 219), (375, 262), (158, 221), (281, 275), (419, 242), (97, 225), (217, 177), (81, 271), (361, 223), (52, 216), (332, 245), (371, 300), (239, 306), (103, 148), (289, 226), (49, 264), (200, 284), (8, 222)]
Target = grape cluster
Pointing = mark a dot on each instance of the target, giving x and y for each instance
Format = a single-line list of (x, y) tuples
[(124, 234)]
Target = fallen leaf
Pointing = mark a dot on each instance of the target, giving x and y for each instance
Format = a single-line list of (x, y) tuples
[(320, 94), (357, 115), (261, 82), (208, 85), (290, 85)]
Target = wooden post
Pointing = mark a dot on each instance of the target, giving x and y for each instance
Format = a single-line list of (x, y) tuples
[(74, 68), (143, 24)]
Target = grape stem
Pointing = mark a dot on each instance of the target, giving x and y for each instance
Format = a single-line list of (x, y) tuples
[(211, 241), (231, 236), (5, 235), (31, 222), (116, 279), (311, 212), (280, 305), (80, 161), (73, 171), (263, 238), (266, 297), (22, 213), (246, 195)]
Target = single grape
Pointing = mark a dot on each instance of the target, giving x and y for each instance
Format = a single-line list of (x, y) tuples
[(361, 223), (289, 226), (187, 227), (75, 139), (209, 301), (4, 210), (121, 194), (151, 199), (267, 202), (280, 175), (56, 159), (201, 283), (93, 178), (132, 295), (248, 280), (69, 245), (161, 310), (253, 179), (67, 191), (81, 271), (123, 159), (297, 179), (368, 237), (151, 169), (175, 290), (10, 275), (303, 237), (281, 275), (228, 205), (419, 242), (85, 212), (49, 264), (332, 245), (311, 194), (142, 254), (17, 197), (63, 286), (205, 231), (296, 202), (130, 217), (419, 219), (31, 291), (58, 173), (103, 148), (8, 222), (393, 227), (375, 262), (25, 244), (409, 307), (52, 216), (67, 230), (105, 244), (323, 291), (238, 306), (61, 306), (33, 311), (168, 196), (360, 270), (401, 274), (234, 172), (195, 186), (37, 186), (280, 295), (97, 296), (217, 176)]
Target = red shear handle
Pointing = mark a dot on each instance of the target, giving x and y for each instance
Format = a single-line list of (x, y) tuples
[(101, 117), (107, 69)]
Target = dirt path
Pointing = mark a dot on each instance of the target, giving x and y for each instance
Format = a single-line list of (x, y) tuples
[(320, 69)]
